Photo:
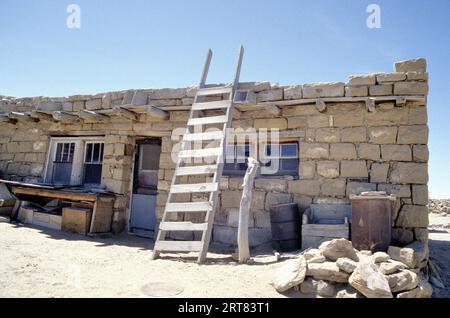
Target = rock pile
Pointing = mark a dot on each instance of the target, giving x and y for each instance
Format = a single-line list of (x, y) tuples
[(338, 270), (439, 206)]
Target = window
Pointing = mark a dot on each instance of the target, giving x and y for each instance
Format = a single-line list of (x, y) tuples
[(93, 160), (75, 160), (278, 160), (62, 162)]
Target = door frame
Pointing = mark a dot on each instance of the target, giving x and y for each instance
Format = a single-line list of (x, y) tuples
[(138, 141)]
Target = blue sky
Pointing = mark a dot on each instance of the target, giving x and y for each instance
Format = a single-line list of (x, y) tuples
[(140, 44)]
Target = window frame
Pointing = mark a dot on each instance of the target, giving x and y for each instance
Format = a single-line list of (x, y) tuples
[(77, 174), (241, 172)]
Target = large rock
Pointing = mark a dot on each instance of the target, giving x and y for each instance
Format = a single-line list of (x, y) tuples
[(317, 287), (390, 267), (369, 281), (411, 255), (315, 90), (327, 271), (379, 257), (338, 248), (423, 290), (414, 65), (314, 255), (346, 264), (402, 281), (290, 275), (348, 292)]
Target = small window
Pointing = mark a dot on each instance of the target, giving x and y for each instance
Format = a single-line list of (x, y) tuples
[(279, 160), (62, 163), (93, 160)]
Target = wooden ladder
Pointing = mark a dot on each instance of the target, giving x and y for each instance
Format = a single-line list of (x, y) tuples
[(186, 170)]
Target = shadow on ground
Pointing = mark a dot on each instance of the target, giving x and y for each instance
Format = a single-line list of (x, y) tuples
[(439, 244)]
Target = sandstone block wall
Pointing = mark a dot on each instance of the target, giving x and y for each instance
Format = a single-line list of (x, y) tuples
[(344, 147)]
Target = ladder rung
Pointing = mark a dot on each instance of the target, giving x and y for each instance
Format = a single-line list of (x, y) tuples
[(211, 105), (207, 120), (200, 153), (211, 135), (194, 187), (189, 207), (194, 170), (178, 246), (182, 226), (214, 91)]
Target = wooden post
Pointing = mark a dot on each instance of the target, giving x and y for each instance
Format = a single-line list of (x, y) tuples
[(244, 210)]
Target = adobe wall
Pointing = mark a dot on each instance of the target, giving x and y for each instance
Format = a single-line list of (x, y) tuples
[(344, 149)]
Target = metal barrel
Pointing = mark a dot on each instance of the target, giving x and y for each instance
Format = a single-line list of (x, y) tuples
[(285, 223)]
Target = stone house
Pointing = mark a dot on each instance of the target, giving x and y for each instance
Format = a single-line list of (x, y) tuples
[(344, 138)]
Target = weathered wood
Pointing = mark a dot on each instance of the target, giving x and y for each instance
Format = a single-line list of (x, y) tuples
[(206, 68), (182, 226), (211, 105), (41, 115), (196, 170), (325, 230), (188, 207), (54, 194), (93, 116), (156, 112), (125, 113), (370, 105), (207, 120), (22, 117), (178, 246), (200, 153), (214, 91), (212, 135), (321, 106), (66, 117), (194, 187), (102, 215), (244, 210)]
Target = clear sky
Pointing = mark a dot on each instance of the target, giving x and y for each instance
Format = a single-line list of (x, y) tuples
[(141, 44)]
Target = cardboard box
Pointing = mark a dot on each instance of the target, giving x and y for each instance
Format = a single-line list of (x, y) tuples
[(77, 220)]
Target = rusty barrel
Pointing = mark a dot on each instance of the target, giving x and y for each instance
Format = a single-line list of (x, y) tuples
[(285, 224), (371, 221)]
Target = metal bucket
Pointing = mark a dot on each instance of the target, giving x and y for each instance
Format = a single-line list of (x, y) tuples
[(285, 223)]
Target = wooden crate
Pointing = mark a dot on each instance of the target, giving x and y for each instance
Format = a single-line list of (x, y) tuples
[(77, 220), (50, 221)]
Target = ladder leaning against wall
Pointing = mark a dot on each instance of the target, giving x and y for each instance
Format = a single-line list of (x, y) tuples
[(209, 147)]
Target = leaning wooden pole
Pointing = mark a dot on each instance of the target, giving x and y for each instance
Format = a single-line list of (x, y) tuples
[(244, 210)]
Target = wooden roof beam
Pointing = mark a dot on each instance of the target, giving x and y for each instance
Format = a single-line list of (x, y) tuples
[(22, 117), (92, 116), (126, 113), (65, 117)]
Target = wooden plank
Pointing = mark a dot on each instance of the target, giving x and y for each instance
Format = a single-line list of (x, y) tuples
[(182, 226), (325, 230), (178, 246), (214, 91), (207, 120), (211, 105), (188, 207), (125, 113), (200, 153), (22, 117), (66, 117), (41, 115), (102, 215), (195, 170), (54, 194), (211, 135), (194, 187)]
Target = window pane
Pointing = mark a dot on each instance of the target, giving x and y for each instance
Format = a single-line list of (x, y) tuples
[(62, 172), (273, 150), (150, 156), (88, 155), (229, 154), (58, 151), (289, 150), (96, 152), (72, 151), (92, 173), (102, 146), (289, 164)]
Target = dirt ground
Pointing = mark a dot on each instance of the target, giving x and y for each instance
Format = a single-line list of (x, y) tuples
[(37, 262)]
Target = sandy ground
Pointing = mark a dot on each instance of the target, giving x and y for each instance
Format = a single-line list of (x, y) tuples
[(37, 262), (440, 250)]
